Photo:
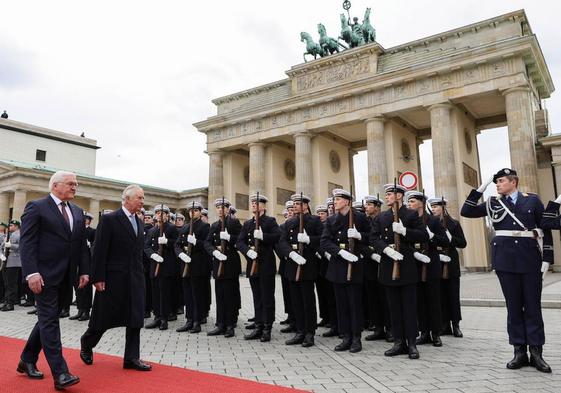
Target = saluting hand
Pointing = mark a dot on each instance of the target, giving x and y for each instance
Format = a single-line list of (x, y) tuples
[(485, 184)]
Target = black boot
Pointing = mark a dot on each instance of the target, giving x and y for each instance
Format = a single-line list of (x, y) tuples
[(389, 336), (520, 358), (216, 331), (266, 336), (196, 328), (163, 325), (424, 338), (331, 333), (77, 316), (289, 329), (287, 321), (345, 345), (399, 348), (154, 324), (85, 316), (308, 340), (356, 344), (536, 359), (251, 326), (252, 319), (229, 332), (412, 349), (185, 328), (64, 313), (255, 334), (436, 341), (456, 330), (297, 339), (377, 335)]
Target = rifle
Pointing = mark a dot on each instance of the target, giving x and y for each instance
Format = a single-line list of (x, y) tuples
[(445, 271), (189, 249), (425, 218), (396, 239), (351, 240), (160, 246), (223, 243), (300, 230), (255, 264)]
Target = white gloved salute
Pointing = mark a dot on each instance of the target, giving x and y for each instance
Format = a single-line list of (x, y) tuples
[(485, 184), (162, 240), (218, 255), (224, 235), (558, 200), (156, 258), (303, 238), (258, 234), (327, 255), (348, 256), (545, 268), (251, 254), (393, 254), (8, 245), (421, 257), (184, 257), (192, 239), (376, 257), (431, 234), (353, 233), (299, 259), (449, 235), (398, 227), (444, 258)]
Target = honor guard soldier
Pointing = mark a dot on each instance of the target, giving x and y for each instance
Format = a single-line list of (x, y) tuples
[(208, 291), (401, 289), (450, 287), (429, 308), (146, 261), (190, 248), (344, 236), (300, 248), (226, 267), (290, 321), (321, 282), (333, 324), (256, 242), (84, 296), (330, 206), (168, 267), (521, 250)]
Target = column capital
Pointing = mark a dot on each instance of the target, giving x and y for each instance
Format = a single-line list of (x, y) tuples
[(302, 134), (516, 89), (250, 144), (444, 105), (375, 118), (215, 152)]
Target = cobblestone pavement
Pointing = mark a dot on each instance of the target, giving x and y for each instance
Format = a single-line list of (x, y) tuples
[(475, 363)]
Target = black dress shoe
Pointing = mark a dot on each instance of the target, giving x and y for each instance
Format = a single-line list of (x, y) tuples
[(288, 329), (345, 345), (27, 303), (308, 340), (424, 338), (7, 307), (163, 325), (251, 326), (137, 365), (65, 313), (436, 341), (331, 333), (399, 348), (185, 328), (216, 331), (297, 339), (65, 380), (196, 328), (456, 330), (252, 319), (389, 337), (154, 324), (30, 369), (412, 349), (75, 317), (32, 312), (255, 334), (536, 359), (86, 354), (85, 316), (356, 345), (229, 332), (266, 336), (520, 358), (378, 334), (323, 322)]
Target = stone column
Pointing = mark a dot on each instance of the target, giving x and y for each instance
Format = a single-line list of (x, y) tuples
[(215, 181), (377, 168), (257, 168), (352, 184), (20, 197), (521, 137), (303, 158), (444, 161), (94, 211), (4, 207)]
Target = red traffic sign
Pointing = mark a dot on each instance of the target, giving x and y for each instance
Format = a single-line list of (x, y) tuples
[(409, 180)]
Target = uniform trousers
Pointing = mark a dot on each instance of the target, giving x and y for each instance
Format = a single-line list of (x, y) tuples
[(161, 296), (332, 304), (263, 289), (84, 297), (132, 341), (350, 314), (148, 284), (226, 299), (285, 284), (429, 309), (523, 292), (303, 300), (194, 293), (323, 302), (403, 311), (450, 298), (11, 275)]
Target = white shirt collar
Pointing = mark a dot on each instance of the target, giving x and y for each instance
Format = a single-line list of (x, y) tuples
[(56, 199), (127, 213)]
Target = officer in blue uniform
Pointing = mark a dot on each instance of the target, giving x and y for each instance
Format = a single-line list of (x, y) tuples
[(521, 251)]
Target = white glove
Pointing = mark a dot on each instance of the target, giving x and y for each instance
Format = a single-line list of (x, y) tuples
[(192, 239), (156, 258), (318, 256), (376, 257), (258, 234), (303, 238), (431, 234), (421, 257), (224, 235), (218, 255), (485, 184), (545, 268), (2, 258), (327, 255), (251, 254), (398, 227), (88, 244), (299, 259), (348, 256), (162, 240), (393, 254), (7, 244), (444, 258), (558, 200), (184, 257), (449, 235), (353, 233)]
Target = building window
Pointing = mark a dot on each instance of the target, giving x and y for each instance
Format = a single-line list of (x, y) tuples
[(40, 155)]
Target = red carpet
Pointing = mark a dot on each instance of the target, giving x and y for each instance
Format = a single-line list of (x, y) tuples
[(108, 376)]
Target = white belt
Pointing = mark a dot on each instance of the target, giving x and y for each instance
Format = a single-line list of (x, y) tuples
[(531, 234)]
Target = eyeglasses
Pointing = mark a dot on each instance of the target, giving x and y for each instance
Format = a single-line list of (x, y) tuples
[(69, 184)]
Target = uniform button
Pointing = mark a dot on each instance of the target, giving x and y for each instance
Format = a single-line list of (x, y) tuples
[(529, 211), (513, 223), (516, 241), (386, 229), (494, 244), (339, 232)]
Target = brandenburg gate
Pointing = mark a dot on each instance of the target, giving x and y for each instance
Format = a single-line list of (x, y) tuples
[(301, 133)]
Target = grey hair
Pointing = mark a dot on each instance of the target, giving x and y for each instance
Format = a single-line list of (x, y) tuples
[(58, 177), (130, 191)]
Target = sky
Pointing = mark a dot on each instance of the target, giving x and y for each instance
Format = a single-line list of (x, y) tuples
[(135, 75)]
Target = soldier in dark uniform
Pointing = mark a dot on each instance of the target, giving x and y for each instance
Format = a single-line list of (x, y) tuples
[(263, 281), (429, 308), (221, 245), (208, 289), (178, 304), (290, 321), (450, 288), (147, 218), (348, 293), (84, 296), (191, 250), (401, 292), (329, 290), (301, 271), (518, 258), (321, 282), (161, 283)]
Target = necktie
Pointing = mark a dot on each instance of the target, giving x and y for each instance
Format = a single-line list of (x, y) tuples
[(64, 213), (133, 222)]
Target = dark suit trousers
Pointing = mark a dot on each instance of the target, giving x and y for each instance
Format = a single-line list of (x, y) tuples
[(304, 305), (403, 311), (46, 332), (263, 289), (450, 298), (429, 309), (132, 341), (523, 292), (350, 313)]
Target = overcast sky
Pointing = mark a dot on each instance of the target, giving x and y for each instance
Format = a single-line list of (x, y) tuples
[(135, 75)]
